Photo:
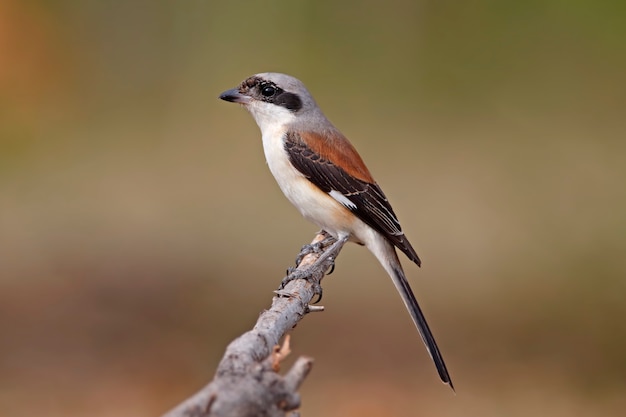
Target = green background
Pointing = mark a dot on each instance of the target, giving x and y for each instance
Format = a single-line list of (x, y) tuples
[(140, 230)]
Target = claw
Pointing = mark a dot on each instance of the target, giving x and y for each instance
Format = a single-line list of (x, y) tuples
[(293, 273), (310, 248), (331, 251), (302, 274), (317, 290)]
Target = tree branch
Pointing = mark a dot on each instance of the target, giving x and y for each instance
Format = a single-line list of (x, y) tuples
[(246, 382)]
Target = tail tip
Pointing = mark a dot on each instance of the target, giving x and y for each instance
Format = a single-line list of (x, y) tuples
[(449, 383)]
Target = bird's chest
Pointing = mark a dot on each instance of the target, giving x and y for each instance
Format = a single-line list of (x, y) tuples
[(292, 183), (314, 204)]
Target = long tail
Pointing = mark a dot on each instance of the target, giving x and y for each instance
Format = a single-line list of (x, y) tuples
[(386, 255)]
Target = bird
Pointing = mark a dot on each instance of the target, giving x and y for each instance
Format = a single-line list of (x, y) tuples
[(324, 177)]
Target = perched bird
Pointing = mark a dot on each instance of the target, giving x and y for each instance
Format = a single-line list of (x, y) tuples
[(322, 174)]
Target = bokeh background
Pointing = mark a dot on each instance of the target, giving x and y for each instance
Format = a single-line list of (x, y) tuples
[(140, 230)]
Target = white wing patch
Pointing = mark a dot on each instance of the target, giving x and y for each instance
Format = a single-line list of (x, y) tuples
[(342, 199)]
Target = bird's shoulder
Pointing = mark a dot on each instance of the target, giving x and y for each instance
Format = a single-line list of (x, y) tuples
[(329, 146)]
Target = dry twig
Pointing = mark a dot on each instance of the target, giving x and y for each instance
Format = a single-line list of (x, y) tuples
[(246, 382)]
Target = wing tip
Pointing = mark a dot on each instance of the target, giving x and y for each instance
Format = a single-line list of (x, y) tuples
[(405, 246), (416, 259)]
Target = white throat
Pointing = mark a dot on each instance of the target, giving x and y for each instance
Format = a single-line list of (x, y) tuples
[(273, 121), (270, 117)]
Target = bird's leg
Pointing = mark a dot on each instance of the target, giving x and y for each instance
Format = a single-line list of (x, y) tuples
[(329, 240), (312, 273)]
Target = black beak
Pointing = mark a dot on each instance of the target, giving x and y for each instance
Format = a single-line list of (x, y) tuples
[(234, 96)]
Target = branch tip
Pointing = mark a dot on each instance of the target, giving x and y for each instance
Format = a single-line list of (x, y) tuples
[(314, 309)]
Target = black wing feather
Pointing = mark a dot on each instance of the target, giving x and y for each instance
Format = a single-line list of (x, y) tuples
[(370, 203)]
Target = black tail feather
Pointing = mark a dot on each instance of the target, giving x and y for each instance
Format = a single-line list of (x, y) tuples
[(422, 326)]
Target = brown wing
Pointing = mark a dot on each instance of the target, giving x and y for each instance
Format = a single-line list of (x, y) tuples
[(332, 163)]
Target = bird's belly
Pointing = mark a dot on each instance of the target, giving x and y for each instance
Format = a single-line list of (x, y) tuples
[(316, 205)]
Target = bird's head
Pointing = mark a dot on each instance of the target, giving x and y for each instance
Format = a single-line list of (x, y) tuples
[(274, 99)]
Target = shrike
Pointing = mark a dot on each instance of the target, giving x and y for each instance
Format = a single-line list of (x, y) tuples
[(322, 174)]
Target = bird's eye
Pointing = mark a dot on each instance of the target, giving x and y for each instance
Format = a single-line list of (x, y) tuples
[(268, 90)]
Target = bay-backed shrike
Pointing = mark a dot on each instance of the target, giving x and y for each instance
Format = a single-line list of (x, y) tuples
[(322, 174)]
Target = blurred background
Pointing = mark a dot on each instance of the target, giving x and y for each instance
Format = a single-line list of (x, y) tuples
[(140, 230)]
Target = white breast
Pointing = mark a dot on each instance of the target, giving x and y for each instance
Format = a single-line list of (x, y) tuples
[(314, 204), (293, 184)]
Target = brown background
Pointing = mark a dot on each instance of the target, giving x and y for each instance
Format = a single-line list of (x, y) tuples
[(140, 229)]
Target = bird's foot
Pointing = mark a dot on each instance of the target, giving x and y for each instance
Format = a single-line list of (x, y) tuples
[(316, 248), (307, 275), (328, 248)]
